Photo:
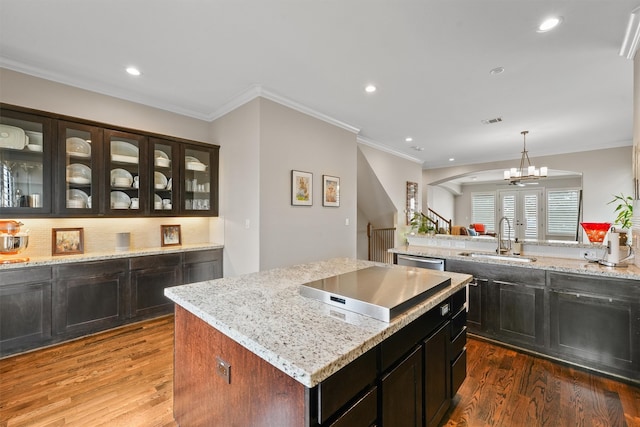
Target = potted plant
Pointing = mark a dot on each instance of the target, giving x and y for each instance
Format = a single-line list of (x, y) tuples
[(420, 224), (624, 210)]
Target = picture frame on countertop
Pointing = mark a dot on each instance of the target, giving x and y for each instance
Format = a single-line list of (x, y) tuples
[(330, 191), (170, 235), (67, 241), (301, 188)]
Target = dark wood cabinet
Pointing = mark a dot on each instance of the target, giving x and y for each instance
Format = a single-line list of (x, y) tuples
[(89, 297), (437, 376), (25, 308), (81, 168), (149, 275), (45, 305), (505, 303), (202, 265), (402, 398), (593, 326), (26, 163)]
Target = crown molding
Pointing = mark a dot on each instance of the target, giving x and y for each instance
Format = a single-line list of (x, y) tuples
[(256, 90), (364, 141)]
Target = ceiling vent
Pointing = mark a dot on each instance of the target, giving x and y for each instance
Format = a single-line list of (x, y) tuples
[(491, 121)]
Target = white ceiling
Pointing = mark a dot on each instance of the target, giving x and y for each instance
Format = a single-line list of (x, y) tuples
[(429, 58)]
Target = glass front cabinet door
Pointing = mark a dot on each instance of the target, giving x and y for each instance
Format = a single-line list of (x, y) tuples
[(25, 164), (126, 159), (200, 180), (80, 151), (164, 172)]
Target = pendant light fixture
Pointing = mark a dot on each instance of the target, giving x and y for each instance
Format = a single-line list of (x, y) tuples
[(526, 171)]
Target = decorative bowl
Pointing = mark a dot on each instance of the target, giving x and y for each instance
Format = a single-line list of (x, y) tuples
[(596, 230)]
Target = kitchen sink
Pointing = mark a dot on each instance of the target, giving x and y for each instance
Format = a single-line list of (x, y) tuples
[(483, 255)]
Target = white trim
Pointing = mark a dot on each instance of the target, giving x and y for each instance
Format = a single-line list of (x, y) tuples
[(364, 141)]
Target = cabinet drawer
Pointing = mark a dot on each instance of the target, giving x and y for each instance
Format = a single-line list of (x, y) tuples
[(363, 413), (337, 390), (458, 323), (458, 344), (458, 299), (458, 372)]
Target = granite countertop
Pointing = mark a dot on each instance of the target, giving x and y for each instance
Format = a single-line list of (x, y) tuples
[(100, 256), (306, 339), (564, 265)]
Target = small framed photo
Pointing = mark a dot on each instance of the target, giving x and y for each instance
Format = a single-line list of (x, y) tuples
[(67, 241), (301, 188), (330, 190), (170, 235)]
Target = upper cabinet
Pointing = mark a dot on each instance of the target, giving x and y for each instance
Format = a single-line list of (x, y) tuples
[(25, 164), (61, 166)]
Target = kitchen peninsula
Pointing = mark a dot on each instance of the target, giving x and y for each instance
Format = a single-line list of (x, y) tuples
[(251, 350)]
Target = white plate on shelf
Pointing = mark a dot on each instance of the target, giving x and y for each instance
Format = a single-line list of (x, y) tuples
[(160, 181), (162, 159), (34, 147), (78, 173), (12, 137), (77, 199), (121, 178), (35, 138), (120, 200), (124, 152), (157, 202), (191, 163), (78, 147)]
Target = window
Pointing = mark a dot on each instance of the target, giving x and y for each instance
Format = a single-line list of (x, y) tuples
[(483, 210), (563, 207)]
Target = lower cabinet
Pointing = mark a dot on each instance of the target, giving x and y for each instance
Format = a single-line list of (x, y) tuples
[(43, 305), (437, 376), (505, 303), (89, 297), (149, 275), (25, 308), (596, 326), (402, 392), (590, 321)]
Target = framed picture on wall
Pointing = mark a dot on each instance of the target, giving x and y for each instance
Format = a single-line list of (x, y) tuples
[(330, 190), (170, 235), (301, 188), (67, 241)]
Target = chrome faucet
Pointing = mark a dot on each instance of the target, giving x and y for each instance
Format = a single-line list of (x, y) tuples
[(503, 249)]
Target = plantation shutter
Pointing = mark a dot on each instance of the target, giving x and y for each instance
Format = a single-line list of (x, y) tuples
[(483, 210), (562, 212)]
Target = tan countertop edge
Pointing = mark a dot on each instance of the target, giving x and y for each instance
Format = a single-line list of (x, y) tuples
[(100, 256), (564, 265), (265, 313)]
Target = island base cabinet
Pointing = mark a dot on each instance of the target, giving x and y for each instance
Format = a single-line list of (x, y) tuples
[(258, 394), (402, 392), (437, 371)]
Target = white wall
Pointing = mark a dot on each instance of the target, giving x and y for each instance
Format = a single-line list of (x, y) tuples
[(296, 234), (441, 201), (604, 173), (238, 133), (393, 173)]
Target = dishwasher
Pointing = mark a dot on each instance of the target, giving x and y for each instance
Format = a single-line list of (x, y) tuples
[(421, 262)]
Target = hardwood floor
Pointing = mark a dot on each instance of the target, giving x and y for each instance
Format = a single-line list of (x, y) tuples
[(124, 377), (507, 388)]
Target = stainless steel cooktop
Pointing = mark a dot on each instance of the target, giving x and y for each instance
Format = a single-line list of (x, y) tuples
[(378, 292)]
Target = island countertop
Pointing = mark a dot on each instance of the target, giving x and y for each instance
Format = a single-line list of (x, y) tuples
[(306, 339)]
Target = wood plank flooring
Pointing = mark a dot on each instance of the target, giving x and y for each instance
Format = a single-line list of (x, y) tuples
[(124, 377)]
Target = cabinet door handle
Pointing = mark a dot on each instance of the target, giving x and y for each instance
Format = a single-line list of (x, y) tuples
[(473, 283), (577, 295)]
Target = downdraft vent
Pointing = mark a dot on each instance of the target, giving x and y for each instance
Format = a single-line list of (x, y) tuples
[(491, 121)]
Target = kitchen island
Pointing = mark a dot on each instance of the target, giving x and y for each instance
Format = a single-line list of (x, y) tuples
[(251, 350)]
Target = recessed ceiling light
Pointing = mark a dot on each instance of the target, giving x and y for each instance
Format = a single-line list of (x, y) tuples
[(549, 24), (133, 71), (370, 88), (408, 139), (497, 70), (451, 159)]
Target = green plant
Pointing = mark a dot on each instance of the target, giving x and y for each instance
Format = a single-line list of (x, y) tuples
[(624, 210), (420, 223)]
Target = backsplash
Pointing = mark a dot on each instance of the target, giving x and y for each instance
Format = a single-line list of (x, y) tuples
[(100, 233)]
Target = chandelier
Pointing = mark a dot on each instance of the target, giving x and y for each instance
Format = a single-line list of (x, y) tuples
[(526, 171)]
